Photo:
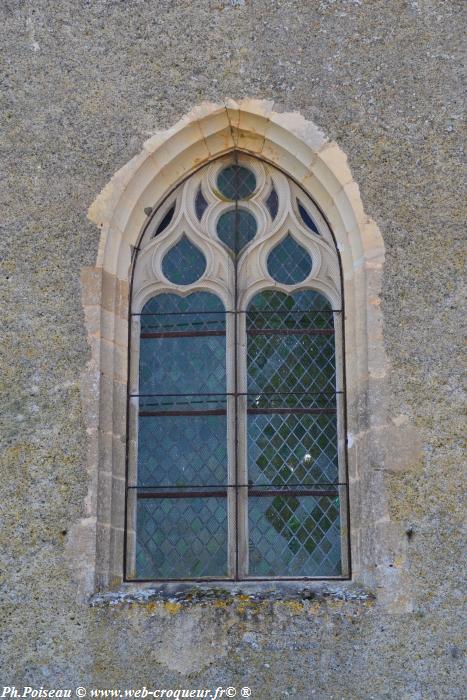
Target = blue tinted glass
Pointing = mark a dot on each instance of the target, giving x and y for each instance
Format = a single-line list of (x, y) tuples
[(236, 182), (182, 365), (182, 346), (272, 203), (306, 218), (236, 228), (291, 363), (184, 263), (182, 439), (200, 204), (182, 450), (181, 537), (171, 312), (289, 262)]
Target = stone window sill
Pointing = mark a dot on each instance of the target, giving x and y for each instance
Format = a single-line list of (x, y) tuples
[(186, 594)]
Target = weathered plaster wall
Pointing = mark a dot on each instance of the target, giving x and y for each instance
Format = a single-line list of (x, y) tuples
[(84, 85)]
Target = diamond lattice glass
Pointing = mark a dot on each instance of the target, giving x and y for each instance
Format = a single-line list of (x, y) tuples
[(294, 536), (292, 449), (289, 262), (236, 182), (181, 537), (182, 439), (292, 436), (236, 228), (184, 263)]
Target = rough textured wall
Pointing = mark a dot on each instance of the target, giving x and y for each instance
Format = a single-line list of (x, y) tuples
[(84, 83)]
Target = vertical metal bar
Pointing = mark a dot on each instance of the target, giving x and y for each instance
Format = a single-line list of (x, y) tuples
[(346, 454), (236, 243), (127, 415)]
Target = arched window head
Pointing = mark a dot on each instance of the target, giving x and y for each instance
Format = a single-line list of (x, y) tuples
[(236, 459)]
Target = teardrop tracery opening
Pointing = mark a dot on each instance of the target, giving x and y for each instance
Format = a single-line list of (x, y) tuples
[(184, 263), (289, 262), (236, 228)]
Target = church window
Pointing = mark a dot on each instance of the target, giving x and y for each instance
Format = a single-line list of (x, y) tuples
[(236, 458)]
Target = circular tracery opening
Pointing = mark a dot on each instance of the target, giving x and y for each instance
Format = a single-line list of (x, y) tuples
[(236, 182)]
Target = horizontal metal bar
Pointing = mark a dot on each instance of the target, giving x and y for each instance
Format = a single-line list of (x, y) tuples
[(181, 334), (250, 393), (259, 312), (239, 486), (182, 313), (240, 311), (253, 411), (181, 494), (258, 493), (317, 411), (180, 395), (232, 579), (290, 393), (290, 331), (292, 492), (207, 412)]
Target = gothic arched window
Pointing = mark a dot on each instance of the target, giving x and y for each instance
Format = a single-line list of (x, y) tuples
[(236, 451)]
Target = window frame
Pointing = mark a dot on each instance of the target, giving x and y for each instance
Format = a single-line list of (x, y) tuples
[(133, 361)]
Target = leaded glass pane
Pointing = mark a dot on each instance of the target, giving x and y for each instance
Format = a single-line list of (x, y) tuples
[(292, 449), (272, 203), (289, 262), (302, 309), (184, 352), (181, 531), (182, 537), (172, 312), (184, 263), (182, 365), (182, 450), (236, 228), (294, 535), (236, 182), (292, 436), (306, 218), (291, 363), (200, 204)]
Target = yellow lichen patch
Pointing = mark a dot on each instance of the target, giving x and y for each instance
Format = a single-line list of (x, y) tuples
[(172, 608), (151, 608), (222, 603), (294, 606), (314, 608)]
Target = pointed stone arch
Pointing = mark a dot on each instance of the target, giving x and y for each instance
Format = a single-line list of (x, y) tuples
[(121, 211)]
